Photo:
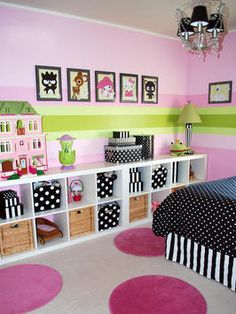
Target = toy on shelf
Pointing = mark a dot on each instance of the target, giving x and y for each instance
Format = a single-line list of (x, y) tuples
[(22, 143), (178, 148), (76, 187), (47, 230), (155, 205), (66, 154)]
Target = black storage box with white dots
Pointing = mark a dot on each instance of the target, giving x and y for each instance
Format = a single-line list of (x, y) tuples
[(46, 195), (159, 177), (119, 154), (105, 182), (108, 216), (10, 205)]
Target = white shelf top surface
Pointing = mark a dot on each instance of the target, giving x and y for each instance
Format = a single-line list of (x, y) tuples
[(91, 168)]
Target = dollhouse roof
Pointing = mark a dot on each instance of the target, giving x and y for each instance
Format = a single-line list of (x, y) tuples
[(16, 107)]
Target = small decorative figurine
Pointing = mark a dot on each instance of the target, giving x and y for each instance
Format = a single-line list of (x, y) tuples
[(178, 148), (76, 187), (66, 154)]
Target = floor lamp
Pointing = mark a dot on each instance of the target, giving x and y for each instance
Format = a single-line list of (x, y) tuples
[(188, 116)]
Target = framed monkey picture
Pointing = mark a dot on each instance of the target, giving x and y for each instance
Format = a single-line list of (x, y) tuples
[(48, 83), (149, 89), (78, 84)]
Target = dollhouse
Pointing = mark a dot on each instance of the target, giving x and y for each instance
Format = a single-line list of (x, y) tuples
[(22, 143)]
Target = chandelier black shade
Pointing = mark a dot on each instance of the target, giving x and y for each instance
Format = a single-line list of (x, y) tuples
[(185, 27), (199, 16), (216, 23)]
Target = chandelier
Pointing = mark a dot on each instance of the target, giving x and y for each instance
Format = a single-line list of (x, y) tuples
[(201, 26)]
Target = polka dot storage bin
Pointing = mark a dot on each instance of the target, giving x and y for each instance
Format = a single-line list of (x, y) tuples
[(108, 216), (105, 184), (46, 195), (159, 177)]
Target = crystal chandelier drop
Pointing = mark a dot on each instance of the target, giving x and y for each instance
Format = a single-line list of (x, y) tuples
[(201, 26)]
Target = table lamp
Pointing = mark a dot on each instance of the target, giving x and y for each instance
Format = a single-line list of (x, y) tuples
[(188, 116)]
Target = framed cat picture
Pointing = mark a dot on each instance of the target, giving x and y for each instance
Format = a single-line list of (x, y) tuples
[(48, 83)]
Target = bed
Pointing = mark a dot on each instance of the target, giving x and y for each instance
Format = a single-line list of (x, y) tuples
[(199, 223)]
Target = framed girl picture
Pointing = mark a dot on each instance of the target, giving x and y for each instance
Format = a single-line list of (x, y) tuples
[(128, 87), (220, 92), (149, 89), (48, 83), (78, 85), (105, 86)]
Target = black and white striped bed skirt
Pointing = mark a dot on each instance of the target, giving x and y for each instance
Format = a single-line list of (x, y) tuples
[(205, 261)]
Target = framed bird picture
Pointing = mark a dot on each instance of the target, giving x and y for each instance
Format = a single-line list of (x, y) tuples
[(149, 89), (48, 83)]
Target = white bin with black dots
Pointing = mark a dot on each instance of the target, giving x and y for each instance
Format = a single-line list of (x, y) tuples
[(159, 177), (108, 216), (46, 195), (105, 184)]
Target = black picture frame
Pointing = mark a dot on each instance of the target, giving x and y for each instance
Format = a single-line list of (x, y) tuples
[(128, 88), (220, 92), (78, 85), (48, 83), (105, 86), (149, 89)]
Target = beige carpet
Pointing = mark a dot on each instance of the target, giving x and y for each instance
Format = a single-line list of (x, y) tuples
[(91, 270)]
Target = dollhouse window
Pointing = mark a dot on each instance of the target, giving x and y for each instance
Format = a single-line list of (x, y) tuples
[(35, 125), (8, 146), (30, 125), (2, 127), (39, 143), (34, 144), (8, 126), (2, 147)]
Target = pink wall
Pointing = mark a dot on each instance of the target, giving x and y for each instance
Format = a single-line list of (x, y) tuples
[(221, 148), (214, 69), (30, 38)]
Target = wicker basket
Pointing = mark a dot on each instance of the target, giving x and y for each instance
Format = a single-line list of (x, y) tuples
[(81, 222), (16, 237), (138, 207)]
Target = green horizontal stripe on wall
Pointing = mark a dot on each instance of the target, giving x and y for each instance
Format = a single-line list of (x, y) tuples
[(59, 123), (220, 121), (72, 123)]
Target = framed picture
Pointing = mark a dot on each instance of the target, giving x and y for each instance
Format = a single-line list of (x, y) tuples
[(149, 89), (78, 84), (128, 87), (105, 86), (48, 83), (220, 92)]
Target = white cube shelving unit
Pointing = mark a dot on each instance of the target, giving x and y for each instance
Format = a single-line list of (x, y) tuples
[(87, 173)]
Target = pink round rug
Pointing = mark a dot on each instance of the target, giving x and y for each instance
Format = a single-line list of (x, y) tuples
[(141, 242), (27, 287), (156, 295)]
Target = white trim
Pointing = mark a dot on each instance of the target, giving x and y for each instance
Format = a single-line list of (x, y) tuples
[(86, 19)]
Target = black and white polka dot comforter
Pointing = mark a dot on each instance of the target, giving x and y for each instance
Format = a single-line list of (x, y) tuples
[(205, 213)]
